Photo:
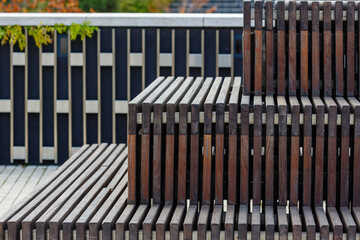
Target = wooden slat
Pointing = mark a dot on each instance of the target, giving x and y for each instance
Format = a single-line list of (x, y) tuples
[(269, 222), (315, 50), (243, 221), (322, 222), (233, 142), (282, 109), (295, 223), (331, 109), (177, 222), (134, 107), (319, 151), (258, 48), (184, 108), (339, 49), (207, 159), (149, 222), (123, 222), (196, 106), (157, 160), (136, 221), (203, 221), (269, 48), (327, 49), (147, 108), (269, 151), (335, 222), (229, 222), (282, 222), (349, 223), (216, 222), (247, 47), (163, 221), (292, 48), (171, 107), (294, 161), (244, 153), (255, 222), (304, 74), (344, 150), (350, 49), (189, 222), (220, 104), (281, 48), (256, 179), (307, 163), (309, 223), (355, 108)]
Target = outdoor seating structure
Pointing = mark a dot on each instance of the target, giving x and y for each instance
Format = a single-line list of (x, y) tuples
[(272, 154)]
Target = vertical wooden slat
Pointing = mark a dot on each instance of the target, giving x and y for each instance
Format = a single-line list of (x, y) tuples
[(269, 48), (220, 104), (355, 106), (281, 47), (327, 49), (233, 142), (304, 48), (315, 49), (292, 48), (283, 182), (339, 49), (350, 49), (257, 138), (245, 148), (247, 47), (258, 48)]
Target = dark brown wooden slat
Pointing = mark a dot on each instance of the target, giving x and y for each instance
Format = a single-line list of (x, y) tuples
[(136, 221), (348, 221), (14, 216), (294, 161), (258, 48), (322, 222), (83, 221), (107, 222), (356, 214), (159, 107), (65, 190), (315, 49), (189, 222), (123, 222), (350, 49), (79, 202), (207, 159), (196, 106), (304, 38), (184, 108), (177, 222), (216, 222), (203, 222), (255, 222), (327, 49), (147, 108), (171, 107), (339, 49), (163, 221), (269, 48), (307, 163), (295, 223), (229, 222), (355, 108), (134, 107), (335, 222), (282, 223), (269, 223), (331, 109), (344, 108), (281, 47), (150, 220), (246, 36), (292, 48), (220, 104), (309, 223), (243, 221), (256, 186), (244, 153), (282, 109), (319, 150), (269, 151), (233, 142)]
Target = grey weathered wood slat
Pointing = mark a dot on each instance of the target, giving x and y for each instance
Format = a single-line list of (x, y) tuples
[(162, 224), (269, 222), (150, 220), (215, 224), (243, 221), (335, 222), (176, 222), (309, 222), (295, 222), (137, 220), (123, 221), (203, 221), (190, 222), (230, 222), (322, 222), (283, 224)]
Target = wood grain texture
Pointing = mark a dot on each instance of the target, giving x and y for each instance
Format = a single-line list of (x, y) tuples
[(269, 151), (258, 48), (304, 42), (339, 49), (327, 49), (350, 49), (283, 181), (247, 47), (292, 48), (244, 154), (355, 108), (315, 50), (257, 136), (281, 48)]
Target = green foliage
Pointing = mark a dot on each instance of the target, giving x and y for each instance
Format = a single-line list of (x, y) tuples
[(43, 35), (139, 6), (99, 5)]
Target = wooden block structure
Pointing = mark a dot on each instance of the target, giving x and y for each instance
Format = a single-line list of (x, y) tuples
[(272, 154)]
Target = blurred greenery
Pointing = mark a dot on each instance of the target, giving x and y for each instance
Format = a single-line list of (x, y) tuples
[(99, 5)]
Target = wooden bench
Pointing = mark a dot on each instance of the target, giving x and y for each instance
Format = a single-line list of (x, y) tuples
[(274, 154)]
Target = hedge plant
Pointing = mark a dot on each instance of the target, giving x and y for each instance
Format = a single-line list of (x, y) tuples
[(43, 35)]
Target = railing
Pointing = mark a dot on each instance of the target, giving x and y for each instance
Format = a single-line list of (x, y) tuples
[(66, 94)]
